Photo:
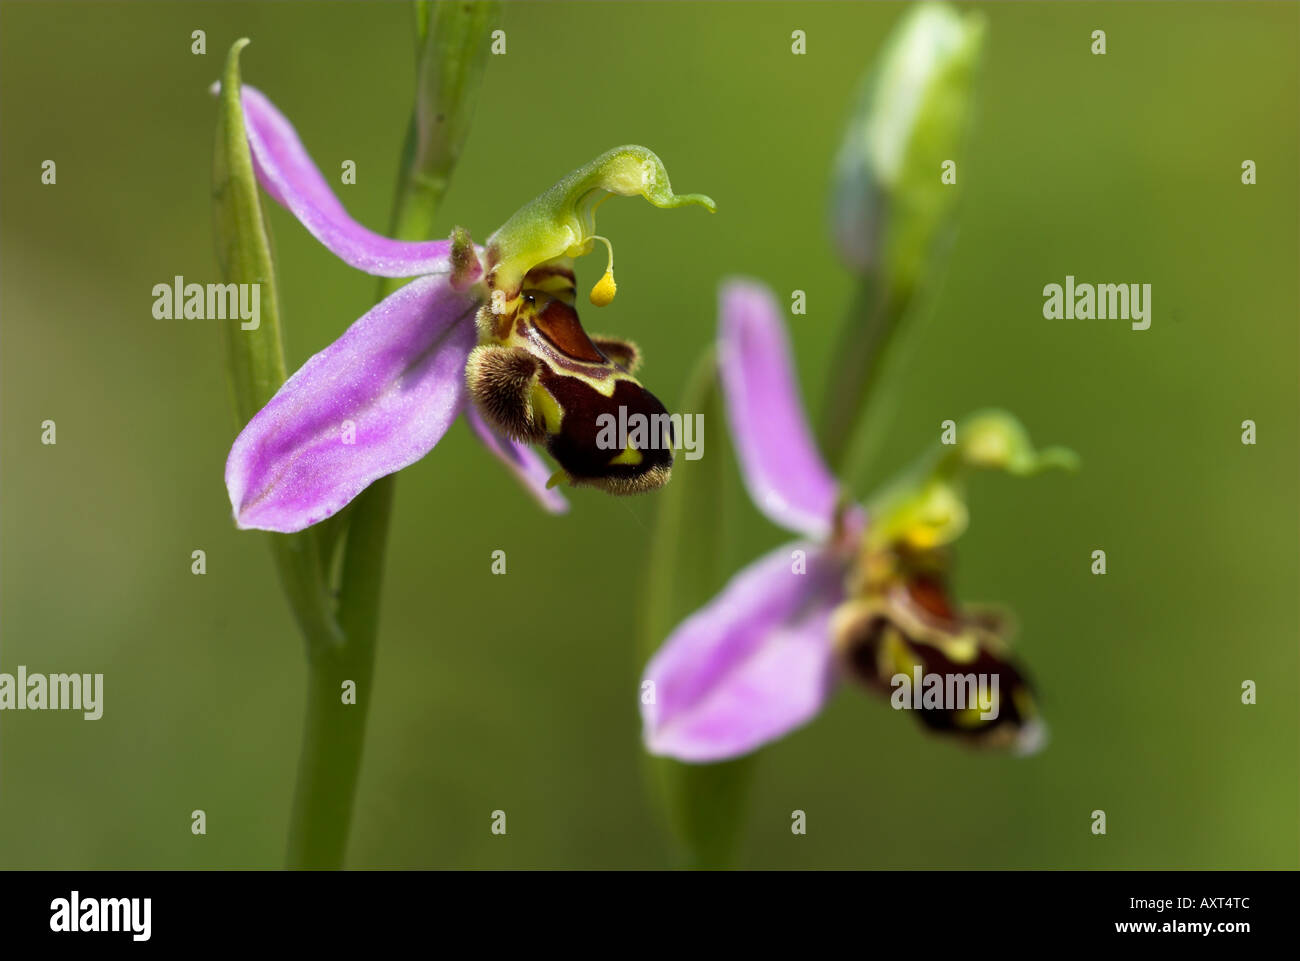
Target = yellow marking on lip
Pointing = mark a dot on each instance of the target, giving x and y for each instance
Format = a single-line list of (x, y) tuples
[(545, 404), (962, 649), (630, 457)]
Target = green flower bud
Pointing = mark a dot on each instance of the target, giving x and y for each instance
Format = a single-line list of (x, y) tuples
[(889, 200)]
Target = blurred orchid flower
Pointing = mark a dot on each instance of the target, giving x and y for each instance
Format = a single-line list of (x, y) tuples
[(489, 331), (861, 595)]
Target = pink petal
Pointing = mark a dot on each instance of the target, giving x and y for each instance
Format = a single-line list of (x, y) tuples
[(377, 399), (288, 174), (783, 471), (752, 665)]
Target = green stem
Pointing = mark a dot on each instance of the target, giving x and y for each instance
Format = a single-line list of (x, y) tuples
[(334, 730), (451, 52), (882, 394), (334, 734), (877, 337), (853, 372)]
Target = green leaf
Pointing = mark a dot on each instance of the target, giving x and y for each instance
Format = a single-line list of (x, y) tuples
[(691, 559), (255, 358), (422, 10)]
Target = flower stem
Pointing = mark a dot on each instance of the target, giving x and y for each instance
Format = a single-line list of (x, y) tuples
[(877, 339), (451, 52), (334, 731), (882, 391), (863, 335)]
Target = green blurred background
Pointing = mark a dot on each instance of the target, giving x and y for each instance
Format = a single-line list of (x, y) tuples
[(1117, 168)]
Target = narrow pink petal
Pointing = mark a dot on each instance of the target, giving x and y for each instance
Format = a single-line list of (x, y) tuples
[(783, 471), (752, 665), (520, 459), (288, 174), (377, 399)]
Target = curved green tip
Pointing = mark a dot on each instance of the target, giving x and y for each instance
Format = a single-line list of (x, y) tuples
[(562, 221), (232, 58), (689, 200), (1062, 458), (230, 74), (633, 169), (996, 440)]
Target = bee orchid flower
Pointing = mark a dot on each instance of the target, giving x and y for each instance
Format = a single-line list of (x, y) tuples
[(490, 331), (862, 594)]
